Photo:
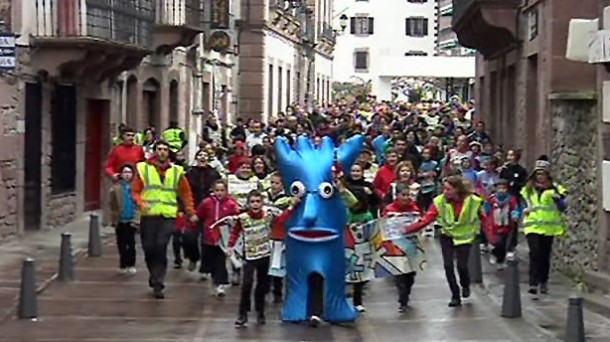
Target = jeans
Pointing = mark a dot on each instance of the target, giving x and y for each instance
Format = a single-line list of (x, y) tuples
[(190, 244), (126, 243), (316, 294), (177, 246), (461, 253), (261, 268), (155, 232), (216, 262), (540, 247), (358, 290), (500, 248), (404, 284)]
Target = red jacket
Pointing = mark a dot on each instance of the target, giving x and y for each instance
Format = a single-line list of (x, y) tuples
[(383, 180), (398, 207), (121, 155), (212, 210), (498, 218)]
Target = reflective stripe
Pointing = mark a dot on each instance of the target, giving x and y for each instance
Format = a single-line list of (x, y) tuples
[(160, 195), (542, 223)]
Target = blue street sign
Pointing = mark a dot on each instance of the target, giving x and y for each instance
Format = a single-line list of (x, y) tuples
[(8, 42)]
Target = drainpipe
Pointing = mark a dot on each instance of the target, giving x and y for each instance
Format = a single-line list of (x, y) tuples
[(124, 98)]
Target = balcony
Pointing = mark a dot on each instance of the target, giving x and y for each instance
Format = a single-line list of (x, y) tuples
[(446, 7), (95, 39), (178, 22), (488, 26), (328, 34)]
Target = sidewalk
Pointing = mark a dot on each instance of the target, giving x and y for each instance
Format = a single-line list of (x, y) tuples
[(550, 311), (44, 247)]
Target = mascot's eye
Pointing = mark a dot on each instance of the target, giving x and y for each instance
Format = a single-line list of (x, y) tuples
[(297, 189), (326, 190)]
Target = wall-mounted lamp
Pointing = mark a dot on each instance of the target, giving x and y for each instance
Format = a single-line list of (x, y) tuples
[(343, 22)]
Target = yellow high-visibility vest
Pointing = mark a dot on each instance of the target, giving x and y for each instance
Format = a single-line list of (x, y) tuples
[(464, 229), (544, 218), (172, 137), (161, 197)]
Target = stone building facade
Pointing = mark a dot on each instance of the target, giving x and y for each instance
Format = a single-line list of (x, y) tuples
[(534, 99), (60, 106)]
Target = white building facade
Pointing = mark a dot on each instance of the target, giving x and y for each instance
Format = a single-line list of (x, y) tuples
[(386, 39)]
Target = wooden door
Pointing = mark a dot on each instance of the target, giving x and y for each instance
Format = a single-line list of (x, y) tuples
[(94, 157)]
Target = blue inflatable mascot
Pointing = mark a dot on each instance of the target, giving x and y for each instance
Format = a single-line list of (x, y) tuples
[(314, 241)]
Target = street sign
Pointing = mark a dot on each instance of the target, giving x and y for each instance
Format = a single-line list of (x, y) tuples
[(7, 51)]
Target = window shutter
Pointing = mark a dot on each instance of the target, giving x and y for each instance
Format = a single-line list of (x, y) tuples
[(352, 25), (371, 21), (408, 27), (425, 27)]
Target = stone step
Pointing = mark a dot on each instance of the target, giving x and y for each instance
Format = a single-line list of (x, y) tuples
[(598, 281), (597, 303)]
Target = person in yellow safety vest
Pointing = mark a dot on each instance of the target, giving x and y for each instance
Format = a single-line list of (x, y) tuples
[(118, 139), (458, 211), (175, 137), (543, 220), (156, 191)]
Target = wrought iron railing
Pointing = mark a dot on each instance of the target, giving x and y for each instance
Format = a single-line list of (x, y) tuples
[(181, 13), (122, 21), (328, 33)]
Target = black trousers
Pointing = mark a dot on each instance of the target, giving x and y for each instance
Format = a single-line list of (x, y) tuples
[(126, 243), (155, 232), (261, 268), (513, 238), (357, 292), (316, 294), (540, 247), (278, 286), (190, 244), (404, 284), (500, 248), (177, 246), (461, 254), (216, 262)]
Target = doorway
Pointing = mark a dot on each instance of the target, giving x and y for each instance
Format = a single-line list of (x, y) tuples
[(96, 117), (32, 156)]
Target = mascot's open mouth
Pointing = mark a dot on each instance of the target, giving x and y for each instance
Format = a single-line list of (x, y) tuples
[(313, 234)]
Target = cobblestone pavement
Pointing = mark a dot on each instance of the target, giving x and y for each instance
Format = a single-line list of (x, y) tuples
[(103, 305)]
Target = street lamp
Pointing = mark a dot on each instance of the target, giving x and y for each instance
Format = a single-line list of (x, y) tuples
[(343, 22)]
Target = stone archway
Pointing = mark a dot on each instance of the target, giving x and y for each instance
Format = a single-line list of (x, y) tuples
[(151, 103)]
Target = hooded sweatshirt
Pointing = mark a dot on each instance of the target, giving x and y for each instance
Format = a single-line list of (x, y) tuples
[(210, 211)]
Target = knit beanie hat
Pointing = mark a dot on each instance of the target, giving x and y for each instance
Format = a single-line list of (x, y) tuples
[(543, 164)]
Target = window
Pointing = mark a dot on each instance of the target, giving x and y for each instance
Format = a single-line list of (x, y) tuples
[(328, 90), (280, 93), (63, 135), (318, 93), (361, 60), (288, 88), (270, 90), (416, 26), (416, 53), (361, 25), (417, 1)]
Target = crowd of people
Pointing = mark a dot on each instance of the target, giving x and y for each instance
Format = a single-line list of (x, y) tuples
[(434, 159)]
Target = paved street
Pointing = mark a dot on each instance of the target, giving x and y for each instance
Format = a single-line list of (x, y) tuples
[(106, 306)]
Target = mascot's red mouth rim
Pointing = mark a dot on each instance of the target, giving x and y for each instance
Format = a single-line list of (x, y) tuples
[(313, 234)]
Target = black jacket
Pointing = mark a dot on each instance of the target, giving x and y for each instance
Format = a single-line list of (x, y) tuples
[(201, 180), (516, 175)]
